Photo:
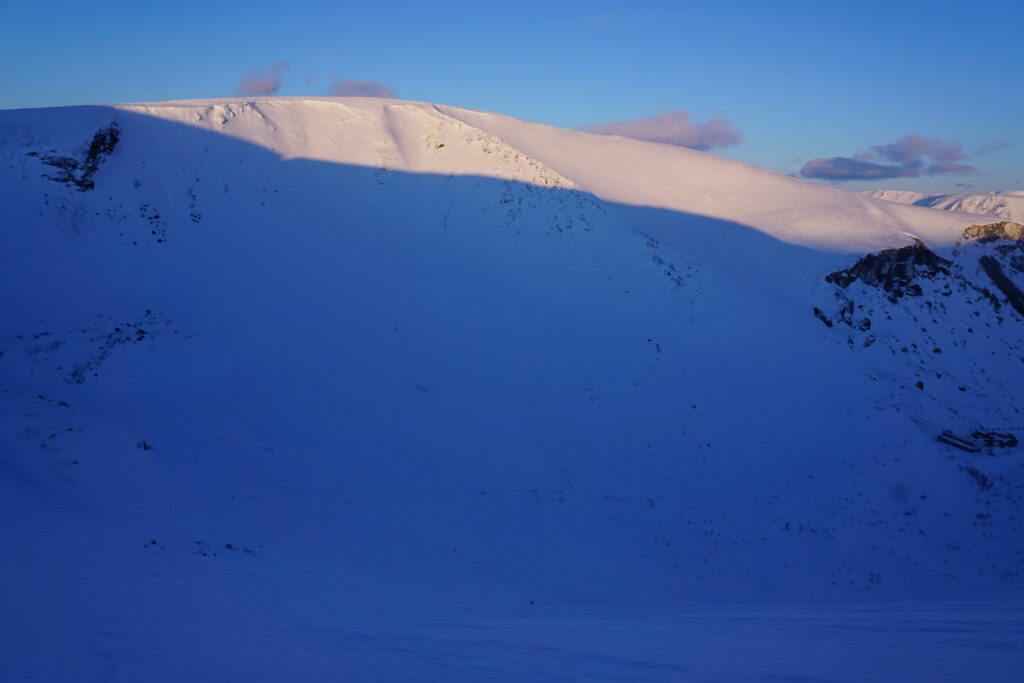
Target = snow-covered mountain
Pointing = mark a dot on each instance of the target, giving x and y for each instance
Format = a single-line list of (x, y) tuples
[(1007, 205), (274, 368)]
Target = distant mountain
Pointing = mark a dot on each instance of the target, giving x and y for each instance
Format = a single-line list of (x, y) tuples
[(270, 363), (1008, 205)]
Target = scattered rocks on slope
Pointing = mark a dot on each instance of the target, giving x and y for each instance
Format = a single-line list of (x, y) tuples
[(79, 353)]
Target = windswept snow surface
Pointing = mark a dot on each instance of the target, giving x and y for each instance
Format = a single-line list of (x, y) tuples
[(1007, 205), (363, 389)]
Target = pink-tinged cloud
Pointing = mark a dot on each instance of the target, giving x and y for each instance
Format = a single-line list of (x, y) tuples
[(672, 128), (261, 83), (944, 167), (359, 89), (909, 157), (912, 148), (846, 168), (994, 147)]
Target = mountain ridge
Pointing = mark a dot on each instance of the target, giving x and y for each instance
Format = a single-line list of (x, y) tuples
[(365, 114), (1007, 204)]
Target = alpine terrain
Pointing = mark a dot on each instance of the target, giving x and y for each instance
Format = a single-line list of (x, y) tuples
[(1007, 205), (370, 389)]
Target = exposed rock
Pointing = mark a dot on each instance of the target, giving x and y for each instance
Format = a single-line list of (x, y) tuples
[(1003, 230), (894, 270), (79, 172), (995, 439), (1005, 285)]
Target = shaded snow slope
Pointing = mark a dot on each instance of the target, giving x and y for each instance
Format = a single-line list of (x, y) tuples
[(288, 363), (1007, 205)]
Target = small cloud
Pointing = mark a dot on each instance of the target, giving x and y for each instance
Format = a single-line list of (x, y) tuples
[(672, 128), (260, 83), (994, 147), (910, 149), (359, 89), (847, 168), (944, 167), (963, 185), (909, 157)]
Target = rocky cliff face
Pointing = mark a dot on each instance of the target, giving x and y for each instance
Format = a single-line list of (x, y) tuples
[(894, 270)]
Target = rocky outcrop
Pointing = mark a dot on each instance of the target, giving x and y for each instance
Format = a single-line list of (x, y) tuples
[(894, 270), (79, 172), (990, 232)]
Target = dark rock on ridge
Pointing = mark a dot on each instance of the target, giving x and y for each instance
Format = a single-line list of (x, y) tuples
[(894, 270)]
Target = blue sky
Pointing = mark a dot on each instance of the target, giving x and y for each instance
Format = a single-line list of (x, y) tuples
[(842, 84)]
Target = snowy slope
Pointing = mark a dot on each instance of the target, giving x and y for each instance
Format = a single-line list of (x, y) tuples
[(425, 138), (1007, 205), (274, 371), (634, 172)]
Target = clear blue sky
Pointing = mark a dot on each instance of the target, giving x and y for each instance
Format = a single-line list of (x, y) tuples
[(799, 80)]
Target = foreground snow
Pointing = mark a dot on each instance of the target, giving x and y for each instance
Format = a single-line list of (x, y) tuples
[(229, 640)]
